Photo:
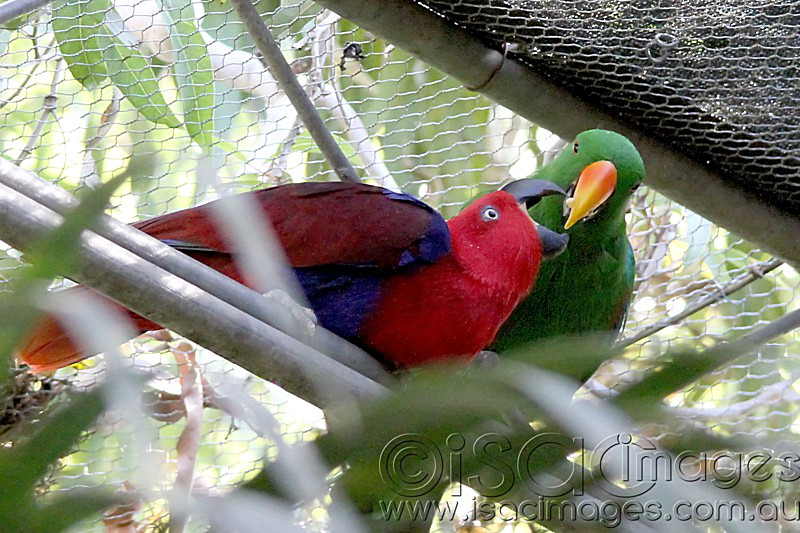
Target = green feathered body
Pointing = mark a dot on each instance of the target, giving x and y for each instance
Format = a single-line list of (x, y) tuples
[(586, 289)]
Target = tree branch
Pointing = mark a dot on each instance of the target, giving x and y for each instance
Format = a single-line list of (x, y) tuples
[(48, 108), (37, 61), (166, 299), (722, 354), (458, 53), (768, 396), (182, 266), (282, 72), (756, 272)]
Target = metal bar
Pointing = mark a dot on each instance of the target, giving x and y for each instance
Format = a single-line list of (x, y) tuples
[(283, 73), (169, 300), (15, 8), (208, 279), (461, 55)]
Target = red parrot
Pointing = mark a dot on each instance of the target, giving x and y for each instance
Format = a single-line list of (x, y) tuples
[(379, 268)]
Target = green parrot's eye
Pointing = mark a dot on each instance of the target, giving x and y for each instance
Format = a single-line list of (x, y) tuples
[(635, 187), (575, 148)]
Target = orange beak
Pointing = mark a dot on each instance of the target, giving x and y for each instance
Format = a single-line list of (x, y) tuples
[(595, 184)]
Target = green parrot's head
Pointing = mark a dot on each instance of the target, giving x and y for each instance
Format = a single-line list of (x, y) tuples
[(599, 170)]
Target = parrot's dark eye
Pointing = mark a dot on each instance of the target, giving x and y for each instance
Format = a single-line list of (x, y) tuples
[(575, 148), (635, 187), (489, 213)]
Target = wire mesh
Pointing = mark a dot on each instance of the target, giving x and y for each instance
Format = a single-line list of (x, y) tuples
[(404, 125), (719, 81)]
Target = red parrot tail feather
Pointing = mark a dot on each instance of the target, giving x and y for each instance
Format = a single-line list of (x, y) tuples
[(378, 267), (50, 346)]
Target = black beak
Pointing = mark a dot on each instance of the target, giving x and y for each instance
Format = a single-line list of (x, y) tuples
[(529, 190), (552, 243)]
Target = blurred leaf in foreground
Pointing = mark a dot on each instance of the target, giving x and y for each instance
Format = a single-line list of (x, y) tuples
[(24, 464), (56, 254), (401, 447)]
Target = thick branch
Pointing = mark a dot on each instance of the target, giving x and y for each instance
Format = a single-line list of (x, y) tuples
[(166, 299), (456, 52), (282, 72), (722, 354), (216, 284)]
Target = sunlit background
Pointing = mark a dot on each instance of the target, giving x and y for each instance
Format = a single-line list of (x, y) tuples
[(404, 125)]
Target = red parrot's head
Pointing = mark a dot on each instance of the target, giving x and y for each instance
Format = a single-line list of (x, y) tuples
[(496, 240)]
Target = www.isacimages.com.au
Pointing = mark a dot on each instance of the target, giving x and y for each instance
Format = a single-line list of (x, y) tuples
[(610, 513)]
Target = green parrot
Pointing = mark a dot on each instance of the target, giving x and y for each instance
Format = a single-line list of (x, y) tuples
[(587, 288)]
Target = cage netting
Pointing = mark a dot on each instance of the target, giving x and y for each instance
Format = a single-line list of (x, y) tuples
[(406, 125), (717, 80)]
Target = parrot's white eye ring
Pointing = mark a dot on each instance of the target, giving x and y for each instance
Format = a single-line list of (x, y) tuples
[(490, 213)]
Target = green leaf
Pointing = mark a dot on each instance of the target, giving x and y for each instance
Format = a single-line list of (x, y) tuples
[(92, 39), (193, 72), (56, 253), (131, 73), (24, 464), (76, 24), (13, 25), (576, 357), (66, 511), (680, 369)]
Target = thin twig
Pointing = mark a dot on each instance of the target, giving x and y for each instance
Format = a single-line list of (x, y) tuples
[(89, 175), (280, 163), (38, 61), (328, 96), (357, 135), (777, 392), (758, 337), (191, 381), (655, 238), (282, 72), (722, 354), (48, 108), (756, 272), (22, 85)]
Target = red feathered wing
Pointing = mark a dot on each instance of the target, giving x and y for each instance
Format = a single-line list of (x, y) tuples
[(318, 224)]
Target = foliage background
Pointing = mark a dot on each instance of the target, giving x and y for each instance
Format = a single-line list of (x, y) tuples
[(426, 134)]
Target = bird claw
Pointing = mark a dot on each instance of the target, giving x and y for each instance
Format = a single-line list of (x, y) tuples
[(304, 318)]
